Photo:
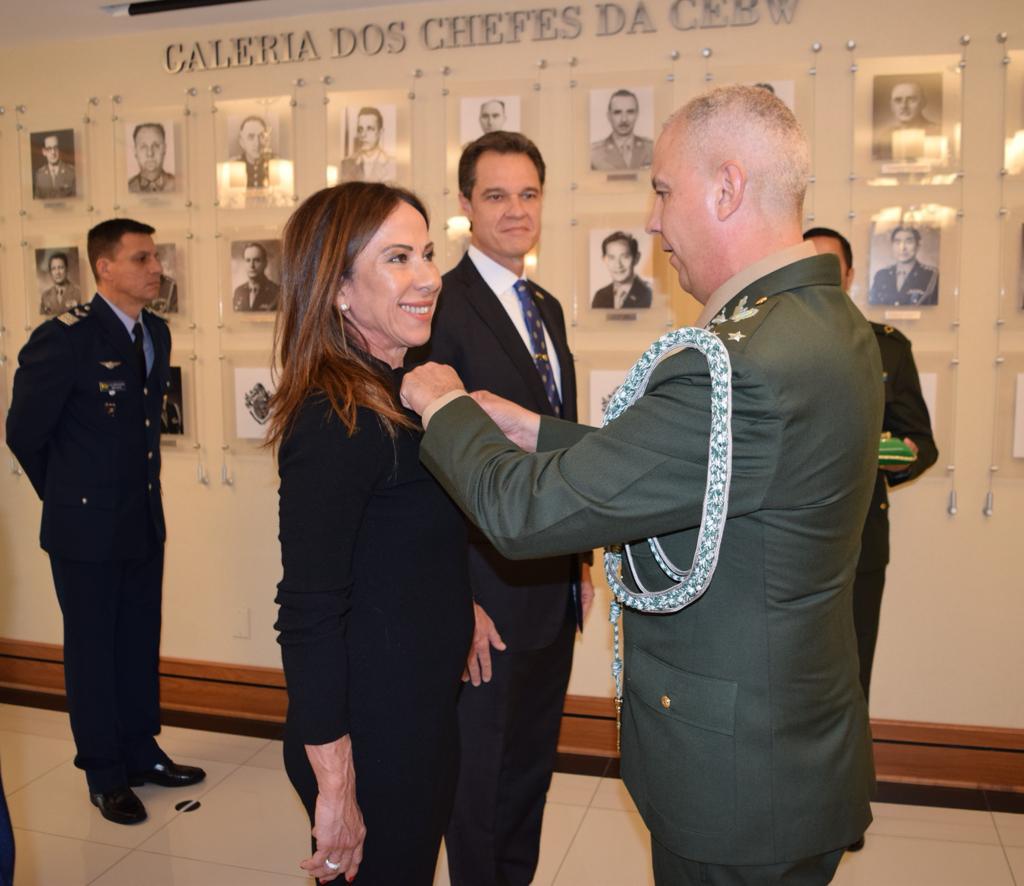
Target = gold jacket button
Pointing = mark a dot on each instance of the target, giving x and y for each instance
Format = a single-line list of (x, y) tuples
[(145, 392), (85, 501), (147, 422), (150, 485), (666, 702), (149, 454), (883, 506)]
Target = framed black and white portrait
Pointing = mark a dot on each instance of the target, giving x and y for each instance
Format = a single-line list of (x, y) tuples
[(621, 269), (172, 414), (907, 123), (480, 114), (255, 278), (904, 263), (255, 161), (169, 302), (58, 279), (54, 161), (151, 156), (621, 128), (370, 140)]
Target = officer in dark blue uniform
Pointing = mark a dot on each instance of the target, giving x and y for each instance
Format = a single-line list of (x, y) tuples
[(85, 425), (906, 418)]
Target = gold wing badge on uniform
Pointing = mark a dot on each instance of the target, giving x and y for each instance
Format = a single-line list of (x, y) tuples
[(110, 364)]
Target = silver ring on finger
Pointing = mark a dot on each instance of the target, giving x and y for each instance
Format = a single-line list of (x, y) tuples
[(333, 866)]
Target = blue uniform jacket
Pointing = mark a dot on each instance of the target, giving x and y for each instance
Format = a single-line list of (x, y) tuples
[(86, 430)]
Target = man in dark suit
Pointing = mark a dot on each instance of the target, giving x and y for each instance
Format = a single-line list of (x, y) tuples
[(258, 292), (506, 334), (85, 425), (745, 739), (908, 281), (621, 253)]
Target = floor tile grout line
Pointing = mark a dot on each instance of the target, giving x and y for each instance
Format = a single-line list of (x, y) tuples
[(70, 837), (224, 864), (879, 836), (568, 849)]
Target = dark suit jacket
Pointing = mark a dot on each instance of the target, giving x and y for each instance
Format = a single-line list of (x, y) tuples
[(639, 296), (87, 432), (920, 287), (266, 297), (745, 734), (473, 333), (906, 415)]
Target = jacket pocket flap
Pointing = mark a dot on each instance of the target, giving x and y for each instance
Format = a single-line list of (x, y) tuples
[(705, 702)]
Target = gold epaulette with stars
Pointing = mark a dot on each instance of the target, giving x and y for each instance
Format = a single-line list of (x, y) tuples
[(71, 317)]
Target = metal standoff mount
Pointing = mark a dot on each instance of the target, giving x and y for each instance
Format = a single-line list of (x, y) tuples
[(816, 46), (851, 45), (706, 52)]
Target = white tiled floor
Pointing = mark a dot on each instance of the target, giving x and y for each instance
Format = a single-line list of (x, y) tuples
[(250, 828)]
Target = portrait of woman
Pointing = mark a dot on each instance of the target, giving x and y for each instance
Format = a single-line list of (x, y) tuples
[(375, 615)]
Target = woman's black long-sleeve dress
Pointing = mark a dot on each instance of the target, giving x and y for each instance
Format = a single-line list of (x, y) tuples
[(375, 623)]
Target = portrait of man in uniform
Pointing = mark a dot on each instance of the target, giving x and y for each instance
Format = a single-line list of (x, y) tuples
[(620, 254), (370, 139), (906, 108), (912, 275), (53, 175), (629, 115), (167, 301), (57, 275), (254, 149), (172, 413), (481, 114), (252, 264), (150, 155)]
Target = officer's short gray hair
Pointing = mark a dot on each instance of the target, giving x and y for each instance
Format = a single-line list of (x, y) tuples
[(751, 125)]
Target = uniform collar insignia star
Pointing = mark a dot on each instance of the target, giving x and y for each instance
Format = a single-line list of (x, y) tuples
[(736, 336)]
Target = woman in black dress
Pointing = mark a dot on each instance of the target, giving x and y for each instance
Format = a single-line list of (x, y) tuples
[(375, 612)]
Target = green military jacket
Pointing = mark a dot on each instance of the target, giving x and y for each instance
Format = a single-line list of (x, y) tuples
[(745, 733)]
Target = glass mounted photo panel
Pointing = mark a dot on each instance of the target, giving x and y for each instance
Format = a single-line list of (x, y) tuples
[(368, 137), (1013, 160), (177, 416), (622, 282), (1010, 417), (250, 276), (54, 167), (255, 153), (907, 120), (150, 159), (57, 277), (938, 377), (616, 119), (906, 261), (248, 384)]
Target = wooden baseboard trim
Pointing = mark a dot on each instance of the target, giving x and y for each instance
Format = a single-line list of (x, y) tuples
[(197, 692)]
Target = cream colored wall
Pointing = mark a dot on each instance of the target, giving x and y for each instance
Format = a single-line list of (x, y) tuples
[(950, 647)]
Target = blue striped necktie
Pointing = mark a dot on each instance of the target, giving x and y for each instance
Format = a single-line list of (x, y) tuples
[(539, 349)]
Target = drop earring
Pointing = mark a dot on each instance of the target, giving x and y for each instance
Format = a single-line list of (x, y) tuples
[(343, 307)]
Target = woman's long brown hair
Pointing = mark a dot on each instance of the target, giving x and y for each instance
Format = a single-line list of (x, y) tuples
[(318, 348)]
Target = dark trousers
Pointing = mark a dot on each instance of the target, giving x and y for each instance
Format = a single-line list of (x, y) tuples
[(508, 738), (6, 842), (674, 870), (111, 659), (867, 606)]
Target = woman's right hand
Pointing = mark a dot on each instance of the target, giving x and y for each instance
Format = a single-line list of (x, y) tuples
[(338, 822)]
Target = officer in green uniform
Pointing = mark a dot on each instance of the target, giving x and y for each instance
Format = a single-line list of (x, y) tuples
[(906, 418), (745, 739)]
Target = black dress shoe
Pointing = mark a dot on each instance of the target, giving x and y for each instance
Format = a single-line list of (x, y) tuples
[(120, 806), (168, 775), (856, 846)]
